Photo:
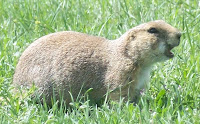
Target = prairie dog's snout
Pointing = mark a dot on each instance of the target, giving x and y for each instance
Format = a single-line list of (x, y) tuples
[(173, 41), (175, 38)]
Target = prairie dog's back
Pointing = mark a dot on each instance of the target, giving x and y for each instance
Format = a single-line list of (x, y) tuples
[(56, 40), (37, 63)]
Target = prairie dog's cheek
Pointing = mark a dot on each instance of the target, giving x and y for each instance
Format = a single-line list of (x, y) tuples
[(154, 45), (161, 47)]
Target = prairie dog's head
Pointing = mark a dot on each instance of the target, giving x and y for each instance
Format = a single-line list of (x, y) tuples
[(152, 41)]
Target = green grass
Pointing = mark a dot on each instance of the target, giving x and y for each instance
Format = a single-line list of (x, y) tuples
[(174, 94)]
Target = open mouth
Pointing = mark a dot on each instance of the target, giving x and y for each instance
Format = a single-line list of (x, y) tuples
[(168, 52)]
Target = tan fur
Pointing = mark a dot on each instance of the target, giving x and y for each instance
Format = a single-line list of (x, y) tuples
[(70, 61)]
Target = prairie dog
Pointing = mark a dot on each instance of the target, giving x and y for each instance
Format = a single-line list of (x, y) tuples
[(69, 61)]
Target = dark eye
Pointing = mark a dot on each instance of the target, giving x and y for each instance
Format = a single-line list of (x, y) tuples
[(153, 30)]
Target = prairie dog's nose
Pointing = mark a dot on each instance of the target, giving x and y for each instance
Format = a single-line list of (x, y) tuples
[(178, 35)]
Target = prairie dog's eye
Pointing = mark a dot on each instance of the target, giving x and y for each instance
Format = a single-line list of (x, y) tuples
[(153, 30)]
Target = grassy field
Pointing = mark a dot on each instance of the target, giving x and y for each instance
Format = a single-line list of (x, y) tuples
[(174, 94)]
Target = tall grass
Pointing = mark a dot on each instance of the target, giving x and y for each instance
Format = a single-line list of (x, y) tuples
[(174, 95)]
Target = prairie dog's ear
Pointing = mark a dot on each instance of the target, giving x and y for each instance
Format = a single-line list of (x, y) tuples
[(131, 36), (129, 41)]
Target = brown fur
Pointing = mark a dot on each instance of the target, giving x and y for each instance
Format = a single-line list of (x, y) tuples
[(70, 61)]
